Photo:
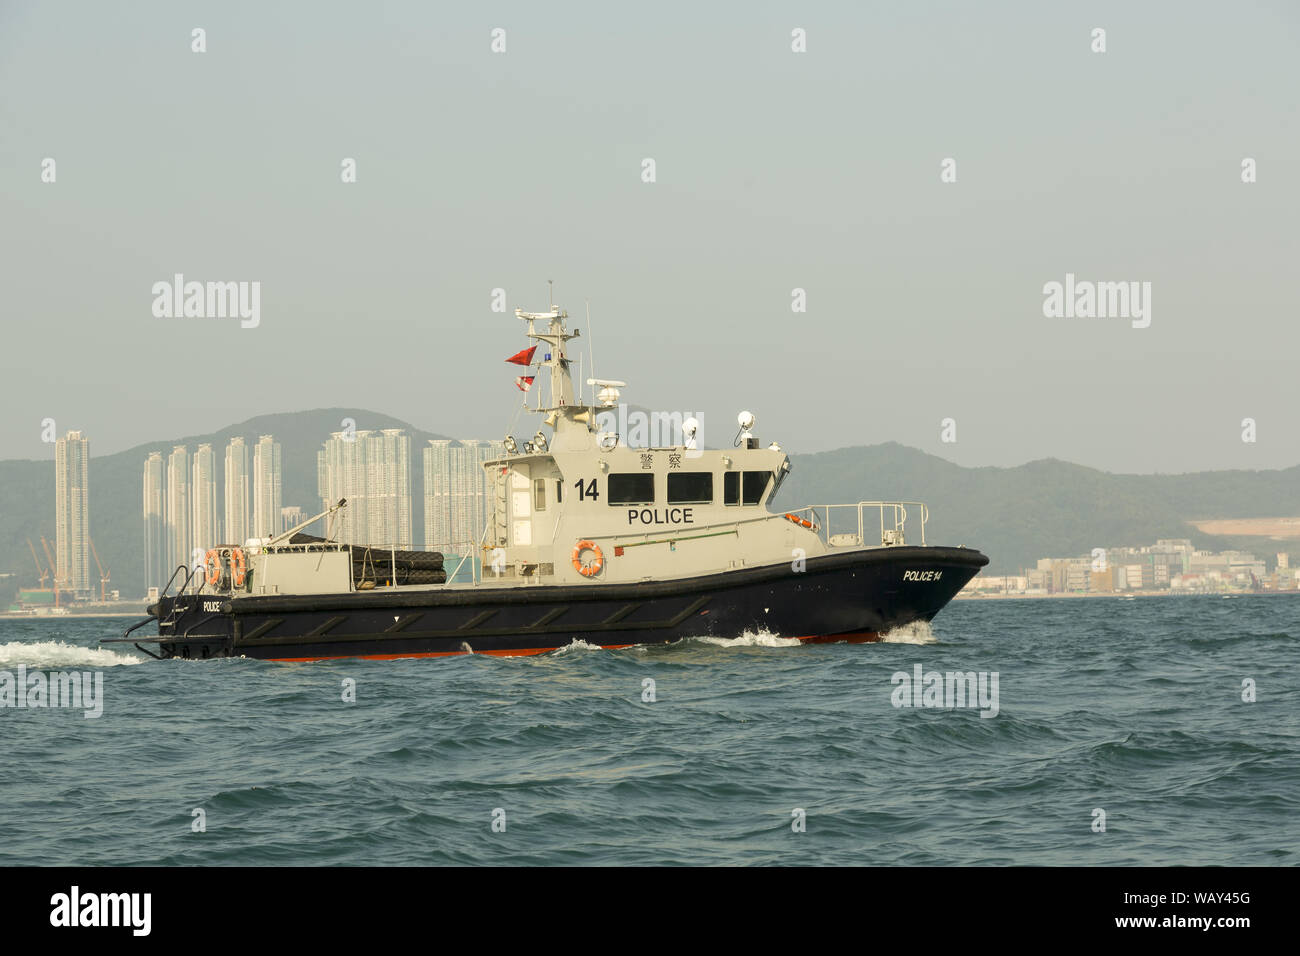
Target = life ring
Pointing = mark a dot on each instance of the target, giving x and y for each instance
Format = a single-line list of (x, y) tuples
[(212, 562), (238, 567), (588, 570), (800, 521)]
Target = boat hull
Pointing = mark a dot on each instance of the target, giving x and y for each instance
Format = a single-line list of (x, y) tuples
[(850, 596)]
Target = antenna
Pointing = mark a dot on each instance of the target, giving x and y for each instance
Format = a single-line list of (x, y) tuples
[(550, 294), (591, 351)]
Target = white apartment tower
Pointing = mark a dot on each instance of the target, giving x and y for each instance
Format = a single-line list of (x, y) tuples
[(237, 502), (341, 470), (291, 516), (457, 493), (388, 488), (205, 526), (156, 564), (266, 487), (372, 470), (179, 539), (72, 513)]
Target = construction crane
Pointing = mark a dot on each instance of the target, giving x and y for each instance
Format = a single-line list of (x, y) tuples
[(41, 572), (104, 579), (45, 545)]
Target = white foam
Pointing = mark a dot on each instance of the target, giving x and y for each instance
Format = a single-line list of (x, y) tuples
[(918, 632), (751, 639), (57, 655), (577, 644)]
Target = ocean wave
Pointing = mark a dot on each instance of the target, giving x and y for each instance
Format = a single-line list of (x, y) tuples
[(58, 656), (918, 632), (1102, 704), (751, 639), (577, 644)]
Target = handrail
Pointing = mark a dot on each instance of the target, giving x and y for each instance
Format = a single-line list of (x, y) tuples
[(469, 550), (892, 529), (172, 611), (889, 535), (166, 587), (824, 527)]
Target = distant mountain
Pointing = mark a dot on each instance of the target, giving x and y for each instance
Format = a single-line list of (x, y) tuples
[(1015, 515), (116, 487), (1043, 508)]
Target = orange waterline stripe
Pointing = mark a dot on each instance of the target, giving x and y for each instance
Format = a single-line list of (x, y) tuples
[(521, 652)]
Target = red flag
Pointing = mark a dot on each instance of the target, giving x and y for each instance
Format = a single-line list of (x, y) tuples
[(524, 382), (524, 357)]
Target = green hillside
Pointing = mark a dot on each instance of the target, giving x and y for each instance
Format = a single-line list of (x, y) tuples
[(116, 487), (1015, 515), (1043, 508)]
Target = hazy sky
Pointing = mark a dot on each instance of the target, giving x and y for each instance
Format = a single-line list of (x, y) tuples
[(775, 170)]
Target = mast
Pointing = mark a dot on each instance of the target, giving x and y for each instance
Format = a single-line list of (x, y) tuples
[(572, 422)]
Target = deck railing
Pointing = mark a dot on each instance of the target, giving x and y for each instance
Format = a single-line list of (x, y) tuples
[(864, 524), (853, 524)]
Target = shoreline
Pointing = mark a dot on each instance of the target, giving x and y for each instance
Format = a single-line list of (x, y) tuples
[(20, 616), (1071, 595), (994, 596)]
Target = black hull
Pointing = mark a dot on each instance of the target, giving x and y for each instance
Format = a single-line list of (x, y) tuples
[(852, 596)]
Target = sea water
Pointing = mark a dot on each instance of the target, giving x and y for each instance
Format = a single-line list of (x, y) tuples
[(1156, 731)]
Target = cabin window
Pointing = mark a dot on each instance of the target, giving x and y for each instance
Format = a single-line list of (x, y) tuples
[(636, 488), (755, 484), (559, 490), (780, 478), (539, 494), (690, 488), (744, 488)]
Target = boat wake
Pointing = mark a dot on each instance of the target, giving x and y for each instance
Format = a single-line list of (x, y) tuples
[(57, 655), (577, 644), (918, 632), (751, 639)]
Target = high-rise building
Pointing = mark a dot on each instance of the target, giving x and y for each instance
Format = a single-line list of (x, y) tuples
[(205, 526), (237, 503), (323, 474), (372, 470), (388, 488), (457, 493), (341, 469), (156, 562), (437, 500), (266, 487), (290, 517), (72, 513), (179, 539)]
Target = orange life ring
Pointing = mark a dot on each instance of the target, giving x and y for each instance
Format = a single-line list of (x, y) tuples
[(212, 562), (797, 520), (588, 570), (238, 567)]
